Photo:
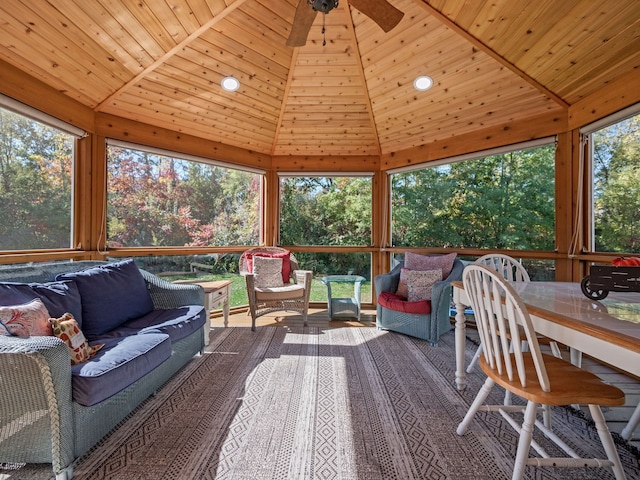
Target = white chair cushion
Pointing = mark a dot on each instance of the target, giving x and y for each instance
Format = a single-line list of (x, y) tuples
[(280, 293)]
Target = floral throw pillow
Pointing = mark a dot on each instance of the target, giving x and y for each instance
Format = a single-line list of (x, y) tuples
[(420, 284), (415, 261), (268, 272), (66, 329), (24, 320)]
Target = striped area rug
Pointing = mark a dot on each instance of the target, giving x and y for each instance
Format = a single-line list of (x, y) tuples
[(312, 403)]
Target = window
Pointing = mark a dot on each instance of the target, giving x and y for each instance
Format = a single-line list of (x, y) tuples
[(325, 211), (328, 211), (616, 186), (504, 200), (36, 171), (154, 199)]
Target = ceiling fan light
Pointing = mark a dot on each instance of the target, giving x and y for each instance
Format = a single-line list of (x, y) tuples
[(230, 84), (422, 83), (324, 6)]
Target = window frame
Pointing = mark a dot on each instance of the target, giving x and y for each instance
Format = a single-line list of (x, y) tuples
[(388, 227), (586, 196), (176, 155)]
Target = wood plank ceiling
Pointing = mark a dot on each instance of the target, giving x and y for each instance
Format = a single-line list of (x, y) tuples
[(161, 62)]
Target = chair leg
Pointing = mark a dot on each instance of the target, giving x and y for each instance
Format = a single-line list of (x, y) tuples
[(474, 360), (477, 403), (575, 357), (607, 441), (526, 434), (555, 349), (632, 424)]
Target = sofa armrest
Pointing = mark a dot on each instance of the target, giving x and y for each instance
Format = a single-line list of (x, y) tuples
[(36, 419), (166, 295)]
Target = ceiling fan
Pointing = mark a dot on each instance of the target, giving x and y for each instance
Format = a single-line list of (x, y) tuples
[(380, 11)]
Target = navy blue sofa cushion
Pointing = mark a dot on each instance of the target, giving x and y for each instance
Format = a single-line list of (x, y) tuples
[(121, 362), (111, 295), (178, 323), (59, 297)]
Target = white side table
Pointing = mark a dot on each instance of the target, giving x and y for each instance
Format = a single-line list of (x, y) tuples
[(216, 294)]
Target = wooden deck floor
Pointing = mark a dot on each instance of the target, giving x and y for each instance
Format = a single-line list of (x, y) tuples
[(616, 417)]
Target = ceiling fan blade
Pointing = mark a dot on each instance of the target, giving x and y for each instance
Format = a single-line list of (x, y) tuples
[(380, 11), (305, 15)]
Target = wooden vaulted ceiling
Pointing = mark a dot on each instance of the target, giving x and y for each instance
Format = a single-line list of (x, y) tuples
[(161, 61)]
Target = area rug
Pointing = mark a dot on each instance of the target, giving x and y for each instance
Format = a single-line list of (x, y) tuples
[(313, 403)]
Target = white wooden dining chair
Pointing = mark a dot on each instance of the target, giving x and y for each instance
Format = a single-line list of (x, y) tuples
[(540, 379), (512, 271)]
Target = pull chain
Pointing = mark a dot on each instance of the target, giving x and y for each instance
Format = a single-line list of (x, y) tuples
[(324, 37)]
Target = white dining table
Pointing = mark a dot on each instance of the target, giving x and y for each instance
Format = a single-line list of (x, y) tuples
[(607, 330)]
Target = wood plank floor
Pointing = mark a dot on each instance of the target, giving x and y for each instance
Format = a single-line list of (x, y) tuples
[(617, 417)]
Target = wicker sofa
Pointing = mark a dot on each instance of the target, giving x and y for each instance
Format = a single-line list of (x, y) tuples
[(41, 420)]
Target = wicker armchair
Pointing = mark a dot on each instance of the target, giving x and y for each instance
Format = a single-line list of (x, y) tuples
[(429, 326), (293, 296)]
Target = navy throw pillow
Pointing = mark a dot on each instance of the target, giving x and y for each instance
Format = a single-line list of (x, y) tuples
[(111, 294), (59, 297)]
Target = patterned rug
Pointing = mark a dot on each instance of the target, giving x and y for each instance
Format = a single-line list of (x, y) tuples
[(340, 403)]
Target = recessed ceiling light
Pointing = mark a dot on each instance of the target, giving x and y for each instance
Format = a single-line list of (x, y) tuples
[(230, 84), (423, 82)]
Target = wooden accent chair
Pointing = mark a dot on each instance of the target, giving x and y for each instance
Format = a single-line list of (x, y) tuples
[(538, 378), (287, 296)]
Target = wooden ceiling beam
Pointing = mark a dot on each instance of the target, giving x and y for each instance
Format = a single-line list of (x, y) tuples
[(486, 49), (285, 96), (170, 53), (363, 78)]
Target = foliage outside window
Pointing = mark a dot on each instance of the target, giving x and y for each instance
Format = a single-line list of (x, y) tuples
[(335, 263), (156, 200), (325, 211), (503, 201), (328, 211), (36, 164), (616, 187)]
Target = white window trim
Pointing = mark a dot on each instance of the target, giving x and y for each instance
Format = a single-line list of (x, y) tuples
[(609, 120), (325, 174), (38, 115), (475, 155), (181, 156)]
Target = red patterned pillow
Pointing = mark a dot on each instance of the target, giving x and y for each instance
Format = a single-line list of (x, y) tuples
[(403, 290), (415, 261), (66, 329), (23, 320)]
